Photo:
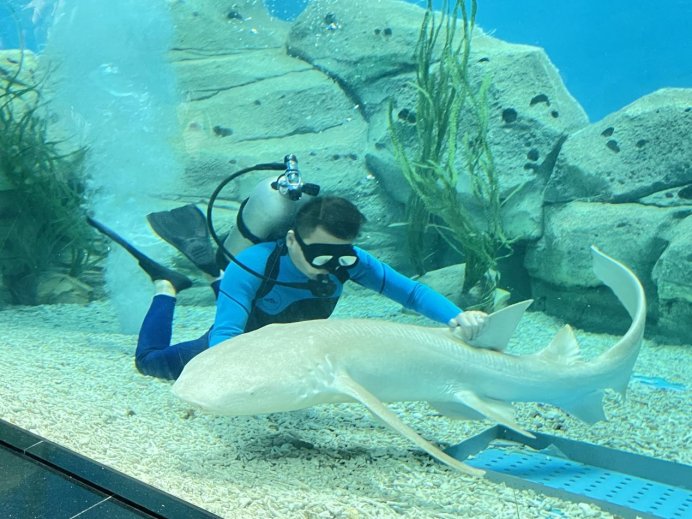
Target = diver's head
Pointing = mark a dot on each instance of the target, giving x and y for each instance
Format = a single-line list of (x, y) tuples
[(336, 215), (322, 236)]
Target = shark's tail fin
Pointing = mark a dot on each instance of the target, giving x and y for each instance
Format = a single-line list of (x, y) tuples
[(623, 282)]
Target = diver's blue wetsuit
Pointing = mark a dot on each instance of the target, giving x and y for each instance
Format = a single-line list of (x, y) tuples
[(239, 310)]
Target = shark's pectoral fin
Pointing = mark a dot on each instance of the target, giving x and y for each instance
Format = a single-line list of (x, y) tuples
[(495, 410), (346, 385), (457, 411), (589, 408)]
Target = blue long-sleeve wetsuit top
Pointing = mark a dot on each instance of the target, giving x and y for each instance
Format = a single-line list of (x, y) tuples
[(238, 310)]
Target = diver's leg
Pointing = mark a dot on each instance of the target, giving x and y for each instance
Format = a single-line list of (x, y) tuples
[(155, 356), (153, 269), (186, 229)]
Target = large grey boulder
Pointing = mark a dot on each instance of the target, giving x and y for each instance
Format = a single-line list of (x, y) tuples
[(672, 275), (636, 152), (246, 101), (639, 161), (673, 269), (218, 27), (632, 233), (358, 43), (282, 106), (369, 49), (563, 282)]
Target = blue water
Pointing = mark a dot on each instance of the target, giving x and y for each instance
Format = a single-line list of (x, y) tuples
[(609, 53)]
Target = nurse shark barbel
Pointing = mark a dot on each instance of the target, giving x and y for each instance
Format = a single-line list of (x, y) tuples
[(284, 367)]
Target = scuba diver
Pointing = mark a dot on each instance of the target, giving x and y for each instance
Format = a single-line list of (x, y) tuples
[(286, 260)]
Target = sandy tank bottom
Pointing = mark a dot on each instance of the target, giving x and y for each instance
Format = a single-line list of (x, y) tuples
[(67, 374)]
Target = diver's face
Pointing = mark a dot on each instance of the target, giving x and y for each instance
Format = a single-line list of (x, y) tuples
[(318, 236)]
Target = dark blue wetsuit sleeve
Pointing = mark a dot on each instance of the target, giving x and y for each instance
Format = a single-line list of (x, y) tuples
[(377, 275), (237, 292)]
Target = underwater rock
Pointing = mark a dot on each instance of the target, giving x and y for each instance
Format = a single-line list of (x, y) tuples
[(670, 197), (632, 232), (374, 72), (208, 77), (271, 109), (213, 27), (372, 39), (672, 270), (388, 173), (655, 241), (447, 281), (636, 152)]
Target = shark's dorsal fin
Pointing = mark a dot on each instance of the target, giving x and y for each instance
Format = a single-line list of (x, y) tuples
[(500, 326), (563, 349), (343, 383)]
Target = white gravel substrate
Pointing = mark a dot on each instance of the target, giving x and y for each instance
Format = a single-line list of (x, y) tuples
[(67, 374)]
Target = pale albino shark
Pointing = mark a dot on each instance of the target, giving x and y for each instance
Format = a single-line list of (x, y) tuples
[(285, 367)]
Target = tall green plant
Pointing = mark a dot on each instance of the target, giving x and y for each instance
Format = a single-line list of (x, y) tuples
[(445, 151), (44, 212)]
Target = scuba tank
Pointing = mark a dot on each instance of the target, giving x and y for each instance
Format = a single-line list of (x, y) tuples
[(268, 212), (266, 215)]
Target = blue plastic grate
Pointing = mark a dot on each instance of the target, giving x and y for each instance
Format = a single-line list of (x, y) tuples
[(642, 495)]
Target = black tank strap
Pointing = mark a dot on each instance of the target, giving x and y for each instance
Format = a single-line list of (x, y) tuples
[(240, 223), (271, 270)]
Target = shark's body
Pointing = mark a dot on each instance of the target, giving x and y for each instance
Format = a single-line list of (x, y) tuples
[(285, 367)]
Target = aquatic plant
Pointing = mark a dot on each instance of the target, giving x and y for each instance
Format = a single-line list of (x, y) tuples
[(44, 229), (447, 155)]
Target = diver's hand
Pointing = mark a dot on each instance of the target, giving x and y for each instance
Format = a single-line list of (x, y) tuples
[(468, 325)]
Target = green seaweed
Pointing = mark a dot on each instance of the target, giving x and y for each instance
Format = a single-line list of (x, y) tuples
[(43, 206), (445, 151)]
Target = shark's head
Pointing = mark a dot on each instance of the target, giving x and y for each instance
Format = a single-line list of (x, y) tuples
[(237, 399), (238, 388)]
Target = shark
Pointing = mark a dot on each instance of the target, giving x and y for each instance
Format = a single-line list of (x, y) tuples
[(286, 367)]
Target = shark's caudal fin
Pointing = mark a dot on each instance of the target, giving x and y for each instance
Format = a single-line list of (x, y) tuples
[(625, 285), (500, 326), (621, 281), (564, 349), (346, 385)]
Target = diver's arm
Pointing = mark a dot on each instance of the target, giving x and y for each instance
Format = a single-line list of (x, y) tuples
[(237, 293), (377, 275)]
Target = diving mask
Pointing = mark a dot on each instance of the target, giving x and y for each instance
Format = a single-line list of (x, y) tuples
[(328, 256)]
